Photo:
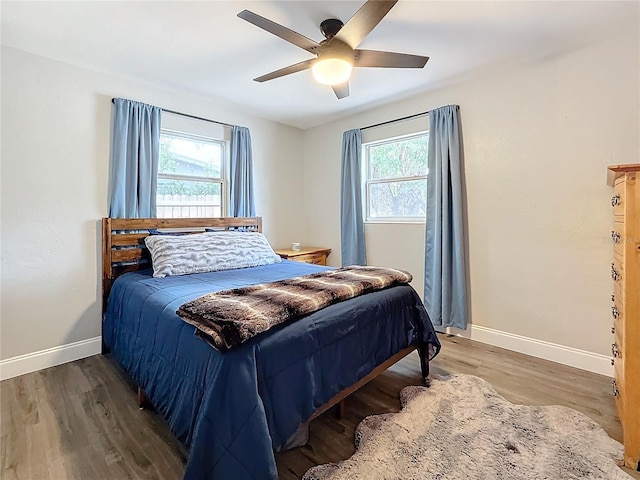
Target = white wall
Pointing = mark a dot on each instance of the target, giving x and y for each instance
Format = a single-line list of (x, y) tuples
[(55, 152), (538, 139)]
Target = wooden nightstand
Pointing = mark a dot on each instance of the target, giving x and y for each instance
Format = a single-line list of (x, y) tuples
[(315, 255)]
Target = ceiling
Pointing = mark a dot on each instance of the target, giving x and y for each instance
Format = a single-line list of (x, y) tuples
[(203, 48)]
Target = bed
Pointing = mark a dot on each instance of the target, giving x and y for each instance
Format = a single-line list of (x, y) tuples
[(232, 410)]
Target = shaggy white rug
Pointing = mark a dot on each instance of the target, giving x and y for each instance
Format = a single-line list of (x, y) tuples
[(460, 428)]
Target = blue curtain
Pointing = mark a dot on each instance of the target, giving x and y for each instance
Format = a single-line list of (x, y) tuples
[(135, 147), (241, 182), (351, 220), (445, 276)]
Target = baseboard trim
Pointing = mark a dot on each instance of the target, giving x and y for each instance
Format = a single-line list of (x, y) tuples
[(32, 362), (573, 357)]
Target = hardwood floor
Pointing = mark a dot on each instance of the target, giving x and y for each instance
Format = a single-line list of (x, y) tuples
[(81, 420)]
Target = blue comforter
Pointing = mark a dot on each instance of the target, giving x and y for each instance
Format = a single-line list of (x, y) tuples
[(232, 410)]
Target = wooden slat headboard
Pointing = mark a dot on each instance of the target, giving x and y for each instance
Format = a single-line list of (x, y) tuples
[(123, 248)]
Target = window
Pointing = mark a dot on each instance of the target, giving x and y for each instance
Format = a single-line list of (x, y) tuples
[(396, 179), (191, 180)]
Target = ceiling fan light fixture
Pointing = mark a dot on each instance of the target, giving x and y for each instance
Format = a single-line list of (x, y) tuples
[(338, 54), (331, 71)]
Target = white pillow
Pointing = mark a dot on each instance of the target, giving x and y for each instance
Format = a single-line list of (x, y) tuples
[(208, 252)]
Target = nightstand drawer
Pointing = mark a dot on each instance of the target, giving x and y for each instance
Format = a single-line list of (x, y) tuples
[(315, 258), (315, 255)]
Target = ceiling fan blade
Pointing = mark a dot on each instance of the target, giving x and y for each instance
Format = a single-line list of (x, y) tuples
[(374, 58), (363, 21), (341, 90), (297, 67), (279, 31)]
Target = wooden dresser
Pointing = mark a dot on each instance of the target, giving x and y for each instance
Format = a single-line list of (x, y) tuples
[(625, 309), (315, 255)]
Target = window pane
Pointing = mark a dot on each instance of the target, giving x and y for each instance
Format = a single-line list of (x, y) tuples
[(398, 199), (190, 156), (403, 158), (186, 199)]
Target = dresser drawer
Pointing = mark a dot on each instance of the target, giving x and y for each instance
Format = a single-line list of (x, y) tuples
[(618, 293), (617, 325), (617, 201), (616, 349), (618, 337), (617, 271), (617, 389), (617, 309), (618, 237), (618, 371), (617, 297)]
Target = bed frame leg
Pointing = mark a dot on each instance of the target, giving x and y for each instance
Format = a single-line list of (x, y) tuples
[(143, 403), (424, 364), (341, 410)]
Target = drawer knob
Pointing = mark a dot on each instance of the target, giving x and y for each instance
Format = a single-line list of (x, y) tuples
[(614, 312), (615, 351), (614, 385), (615, 236), (613, 329), (613, 297), (613, 362), (614, 273), (615, 200)]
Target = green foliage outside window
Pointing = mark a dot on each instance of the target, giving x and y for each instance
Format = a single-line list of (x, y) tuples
[(404, 158), (191, 158), (398, 170), (183, 187)]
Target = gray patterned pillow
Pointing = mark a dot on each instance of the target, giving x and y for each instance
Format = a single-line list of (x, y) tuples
[(208, 252)]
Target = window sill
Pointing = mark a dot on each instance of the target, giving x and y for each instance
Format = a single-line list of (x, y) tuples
[(395, 222)]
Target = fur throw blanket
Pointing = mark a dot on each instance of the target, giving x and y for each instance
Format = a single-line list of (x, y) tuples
[(231, 317)]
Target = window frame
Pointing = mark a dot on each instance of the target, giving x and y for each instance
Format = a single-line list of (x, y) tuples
[(224, 167), (366, 183)]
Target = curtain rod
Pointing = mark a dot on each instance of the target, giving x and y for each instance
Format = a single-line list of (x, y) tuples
[(191, 116), (397, 120)]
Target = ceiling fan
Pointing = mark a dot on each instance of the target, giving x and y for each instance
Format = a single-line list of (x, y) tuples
[(338, 53)]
